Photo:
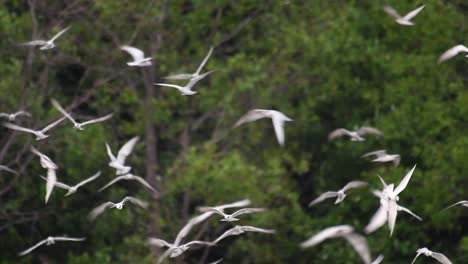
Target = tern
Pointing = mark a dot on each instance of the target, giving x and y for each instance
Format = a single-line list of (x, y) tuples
[(438, 256), (129, 177), (194, 75), (382, 156), (187, 89), (356, 240), (100, 209), (340, 194), (11, 117), (5, 168), (51, 167), (77, 125), (277, 118), (72, 189), (452, 52), (138, 57), (40, 134), (237, 230), (405, 20), (118, 162), (50, 241), (175, 251), (45, 44), (232, 217), (354, 135), (462, 203)]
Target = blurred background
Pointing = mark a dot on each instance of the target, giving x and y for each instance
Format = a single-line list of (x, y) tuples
[(325, 64)]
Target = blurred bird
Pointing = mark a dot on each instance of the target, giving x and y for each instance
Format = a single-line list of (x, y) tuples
[(100, 209), (129, 177), (382, 156), (119, 162), (406, 20), (175, 251), (195, 75), (138, 57), (72, 189), (11, 117), (462, 203), (438, 256), (354, 135), (187, 89), (49, 241), (77, 125), (237, 230), (277, 118), (356, 240), (40, 134), (340, 194), (452, 52), (232, 217), (51, 167), (5, 168), (45, 44)]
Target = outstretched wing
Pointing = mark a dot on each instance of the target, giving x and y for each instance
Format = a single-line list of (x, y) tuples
[(441, 258), (354, 184), (323, 197), (126, 150), (214, 210), (22, 253), (100, 119), (61, 110), (59, 34), (135, 201), (58, 184), (404, 182), (338, 133), (99, 210), (112, 182), (18, 128), (377, 220), (391, 11), (413, 13), (21, 112), (257, 229), (50, 184), (392, 215), (69, 238), (158, 242), (92, 178), (50, 126), (109, 153), (278, 124), (359, 244), (406, 210), (34, 43), (251, 116), (204, 61), (369, 130), (452, 52), (136, 54), (319, 237), (417, 255), (455, 204), (248, 211), (377, 153), (182, 76), (5, 168), (145, 183)]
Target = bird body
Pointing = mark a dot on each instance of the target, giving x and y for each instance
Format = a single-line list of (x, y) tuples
[(118, 162), (119, 206), (138, 56)]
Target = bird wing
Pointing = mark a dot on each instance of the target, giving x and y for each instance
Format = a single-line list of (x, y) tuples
[(455, 204), (5, 168), (378, 260), (109, 153), (251, 116), (158, 242), (214, 210), (382, 181), (99, 210), (257, 229), (88, 179), (404, 209), (145, 183), (202, 64), (322, 197), (413, 13), (190, 224), (15, 127), (182, 76), (50, 126), (369, 130), (278, 124), (22, 253), (21, 112), (231, 232), (417, 255), (100, 119), (359, 244), (377, 220), (452, 52), (46, 162), (164, 255), (392, 215), (240, 203), (59, 34), (196, 242), (378, 153), (320, 237), (113, 181), (391, 11), (58, 184), (4, 115), (50, 184), (135, 201), (441, 258), (37, 42), (199, 77), (61, 110), (69, 238), (169, 85), (126, 150), (248, 211), (338, 133), (404, 182), (136, 54), (217, 261), (354, 184)]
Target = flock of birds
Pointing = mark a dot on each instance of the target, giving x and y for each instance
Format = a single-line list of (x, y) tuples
[(388, 196)]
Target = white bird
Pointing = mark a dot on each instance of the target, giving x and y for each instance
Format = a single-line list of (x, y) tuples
[(77, 125), (138, 57), (340, 194), (11, 117), (354, 135), (187, 89), (175, 251), (40, 134), (72, 189), (217, 261), (405, 20), (46, 162), (118, 162), (356, 240), (129, 177), (50, 241), (51, 167), (462, 203), (438, 256), (389, 208), (46, 44), (452, 52), (194, 75), (237, 230), (100, 209), (277, 118), (5, 168), (383, 156), (232, 217)]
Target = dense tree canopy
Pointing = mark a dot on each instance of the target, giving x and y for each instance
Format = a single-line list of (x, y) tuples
[(325, 64)]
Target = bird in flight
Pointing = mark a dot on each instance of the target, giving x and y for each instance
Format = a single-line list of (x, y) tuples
[(46, 44), (40, 134), (452, 52), (101, 208), (12, 116), (277, 118), (187, 89), (51, 167), (72, 189), (118, 162), (49, 241), (195, 75), (405, 20), (232, 217), (340, 194), (77, 125), (354, 135), (138, 57), (383, 156), (129, 177), (441, 258)]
